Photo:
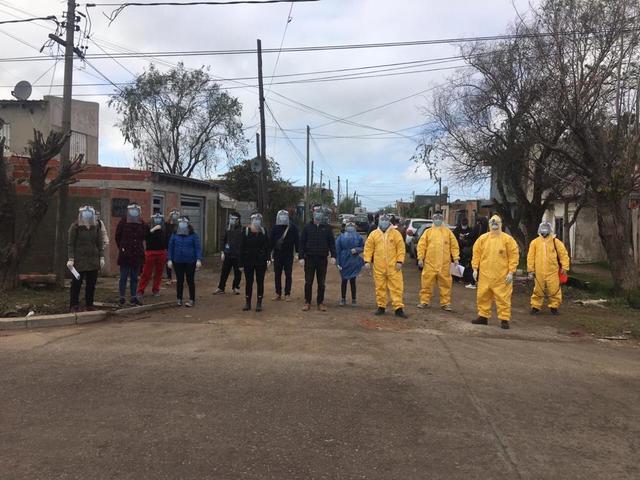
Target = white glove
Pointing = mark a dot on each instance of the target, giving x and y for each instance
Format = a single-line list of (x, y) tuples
[(198, 265), (420, 264), (102, 262), (339, 268), (354, 251), (301, 262), (398, 266), (509, 278), (156, 228), (70, 263), (170, 265), (333, 261), (532, 275), (268, 263), (222, 256), (367, 266), (475, 275)]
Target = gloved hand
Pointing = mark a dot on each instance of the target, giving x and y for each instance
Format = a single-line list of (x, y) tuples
[(70, 263), (198, 265), (301, 262), (475, 275), (398, 266), (170, 265), (420, 264), (339, 268), (333, 261), (531, 275), (456, 263), (222, 256), (367, 266), (354, 251), (509, 278), (102, 262), (563, 271), (155, 229)]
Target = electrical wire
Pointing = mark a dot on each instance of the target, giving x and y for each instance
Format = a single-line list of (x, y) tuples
[(52, 18)]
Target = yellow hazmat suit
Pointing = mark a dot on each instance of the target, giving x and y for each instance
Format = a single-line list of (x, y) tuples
[(495, 256), (386, 249), (437, 248), (542, 260)]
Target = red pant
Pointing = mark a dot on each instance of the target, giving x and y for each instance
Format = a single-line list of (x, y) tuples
[(154, 261)]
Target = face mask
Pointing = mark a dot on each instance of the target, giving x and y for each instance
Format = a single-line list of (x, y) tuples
[(545, 233), (134, 212), (183, 225), (437, 223), (495, 226), (464, 226), (351, 229), (317, 217), (384, 224), (157, 220), (256, 222), (87, 216)]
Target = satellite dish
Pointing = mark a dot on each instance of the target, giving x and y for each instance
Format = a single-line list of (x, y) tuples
[(256, 165), (22, 90)]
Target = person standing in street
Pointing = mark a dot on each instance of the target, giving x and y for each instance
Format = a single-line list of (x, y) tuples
[(495, 259), (466, 238), (385, 248), (546, 261), (254, 259), (130, 235), (284, 242), (230, 256), (171, 225), (437, 248), (349, 247), (155, 256), (185, 257), (86, 255), (316, 244)]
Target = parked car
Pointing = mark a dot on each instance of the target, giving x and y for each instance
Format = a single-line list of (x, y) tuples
[(362, 223), (412, 225), (346, 218), (412, 240)]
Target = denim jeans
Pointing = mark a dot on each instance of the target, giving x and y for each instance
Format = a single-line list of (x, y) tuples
[(125, 272)]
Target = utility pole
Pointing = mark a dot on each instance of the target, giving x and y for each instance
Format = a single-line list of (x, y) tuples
[(312, 167), (263, 201), (321, 179), (306, 190), (259, 175), (321, 196), (347, 188), (338, 191), (60, 250)]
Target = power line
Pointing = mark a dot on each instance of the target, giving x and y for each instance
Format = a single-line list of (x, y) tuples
[(52, 18)]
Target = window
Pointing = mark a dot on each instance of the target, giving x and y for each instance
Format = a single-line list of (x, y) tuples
[(6, 133), (78, 145), (158, 204)]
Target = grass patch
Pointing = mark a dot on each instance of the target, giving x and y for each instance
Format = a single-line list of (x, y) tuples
[(625, 322)]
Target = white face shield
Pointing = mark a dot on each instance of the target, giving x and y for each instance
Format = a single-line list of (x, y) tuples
[(183, 226), (174, 215), (282, 218), (87, 216), (134, 213), (384, 222), (157, 219), (545, 229), (256, 220)]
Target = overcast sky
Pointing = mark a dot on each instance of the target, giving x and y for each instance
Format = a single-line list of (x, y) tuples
[(376, 163)]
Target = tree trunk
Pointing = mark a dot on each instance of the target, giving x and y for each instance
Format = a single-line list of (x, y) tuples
[(614, 227)]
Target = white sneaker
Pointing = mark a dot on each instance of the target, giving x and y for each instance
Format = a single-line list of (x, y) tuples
[(188, 303), (422, 305), (236, 291), (470, 286)]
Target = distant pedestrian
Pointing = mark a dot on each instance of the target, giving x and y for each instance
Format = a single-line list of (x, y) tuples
[(284, 242), (155, 256), (254, 259), (185, 257), (349, 248), (230, 255), (466, 237), (130, 235), (171, 225)]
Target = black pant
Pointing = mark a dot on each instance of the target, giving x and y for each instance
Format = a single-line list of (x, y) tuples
[(343, 287), (257, 272), (91, 277), (188, 269), (314, 266), (227, 265), (286, 265)]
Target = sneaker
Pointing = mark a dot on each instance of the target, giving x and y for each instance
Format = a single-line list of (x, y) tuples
[(259, 304), (504, 324), (343, 302), (470, 286), (236, 291), (156, 294), (480, 321), (277, 298), (121, 302), (422, 305), (179, 303), (168, 283), (400, 313), (322, 307), (219, 291), (554, 311), (380, 311), (354, 303), (287, 298), (247, 307), (136, 301), (534, 311), (447, 308), (306, 307), (189, 303)]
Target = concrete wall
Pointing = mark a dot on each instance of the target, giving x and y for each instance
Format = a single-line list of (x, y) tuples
[(85, 119), (23, 117)]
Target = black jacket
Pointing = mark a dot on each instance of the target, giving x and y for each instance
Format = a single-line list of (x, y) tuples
[(254, 247), (317, 240), (466, 238), (288, 244), (231, 242), (157, 240)]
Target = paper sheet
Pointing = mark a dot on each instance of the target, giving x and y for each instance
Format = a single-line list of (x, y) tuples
[(74, 272), (456, 271)]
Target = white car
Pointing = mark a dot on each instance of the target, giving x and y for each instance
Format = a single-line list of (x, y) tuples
[(412, 225)]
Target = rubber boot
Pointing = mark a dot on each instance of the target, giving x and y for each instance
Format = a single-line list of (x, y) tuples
[(247, 304), (258, 305)]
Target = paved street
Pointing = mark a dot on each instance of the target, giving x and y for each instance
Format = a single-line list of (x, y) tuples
[(213, 393)]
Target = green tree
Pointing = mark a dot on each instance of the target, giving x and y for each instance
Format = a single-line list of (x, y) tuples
[(347, 205), (180, 121)]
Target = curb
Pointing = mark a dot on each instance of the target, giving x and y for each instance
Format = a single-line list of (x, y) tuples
[(80, 318)]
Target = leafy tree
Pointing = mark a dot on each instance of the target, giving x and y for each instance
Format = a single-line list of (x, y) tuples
[(323, 196), (179, 122), (347, 205)]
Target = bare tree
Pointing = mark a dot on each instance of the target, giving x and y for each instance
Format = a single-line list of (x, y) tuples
[(180, 121), (15, 237)]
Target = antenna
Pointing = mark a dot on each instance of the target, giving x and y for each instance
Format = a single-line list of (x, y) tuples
[(22, 90)]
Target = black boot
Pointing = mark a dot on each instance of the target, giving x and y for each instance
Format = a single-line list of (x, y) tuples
[(400, 313), (380, 311), (247, 304), (534, 311), (480, 321), (258, 304), (504, 324), (554, 311)]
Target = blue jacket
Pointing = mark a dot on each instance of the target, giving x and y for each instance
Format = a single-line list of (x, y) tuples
[(351, 263), (185, 248)]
